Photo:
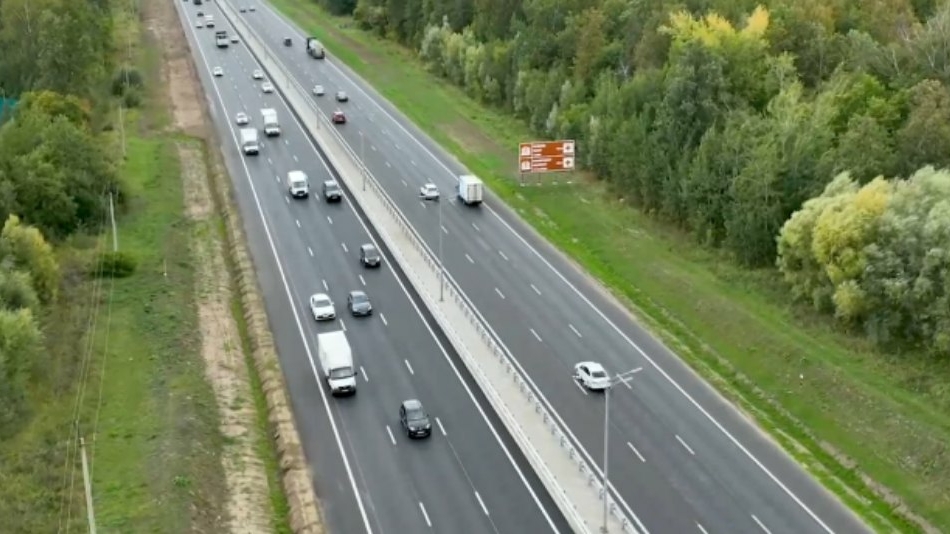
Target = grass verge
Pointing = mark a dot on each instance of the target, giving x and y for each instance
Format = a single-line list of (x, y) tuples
[(874, 428)]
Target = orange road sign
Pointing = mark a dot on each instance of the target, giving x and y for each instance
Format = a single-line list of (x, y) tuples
[(546, 156)]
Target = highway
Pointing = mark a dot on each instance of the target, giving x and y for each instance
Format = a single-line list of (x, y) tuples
[(469, 476), (684, 459)]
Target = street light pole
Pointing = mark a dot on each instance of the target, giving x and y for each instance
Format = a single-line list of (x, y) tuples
[(363, 160), (441, 267), (622, 377)]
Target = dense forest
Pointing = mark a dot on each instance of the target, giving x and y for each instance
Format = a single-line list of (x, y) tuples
[(797, 134)]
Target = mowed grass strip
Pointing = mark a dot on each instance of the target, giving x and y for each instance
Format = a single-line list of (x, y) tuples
[(840, 407)]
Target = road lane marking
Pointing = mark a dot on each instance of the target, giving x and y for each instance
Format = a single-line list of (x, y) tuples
[(475, 226), (635, 451), (408, 366), (329, 220), (310, 251), (502, 254), (342, 325), (397, 146), (295, 158), (372, 147), (298, 222), (277, 178), (269, 162), (423, 204), (574, 330), (761, 525), (286, 141), (287, 200), (344, 247), (536, 336), (441, 428), (392, 438), (414, 164), (469, 258), (701, 529), (388, 165), (579, 386), (424, 514), (363, 374), (685, 446), (500, 294), (405, 184), (362, 280), (444, 229), (482, 503), (536, 290), (383, 319), (325, 288)]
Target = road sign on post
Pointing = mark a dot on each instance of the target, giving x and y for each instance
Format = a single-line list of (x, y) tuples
[(546, 156)]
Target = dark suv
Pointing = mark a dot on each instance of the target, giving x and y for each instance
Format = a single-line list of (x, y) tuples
[(332, 191), (369, 256), (414, 419)]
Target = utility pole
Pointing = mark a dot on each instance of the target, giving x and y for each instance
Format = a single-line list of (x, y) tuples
[(90, 513), (115, 230)]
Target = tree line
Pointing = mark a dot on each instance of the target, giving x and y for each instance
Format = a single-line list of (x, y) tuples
[(722, 117), (56, 170)]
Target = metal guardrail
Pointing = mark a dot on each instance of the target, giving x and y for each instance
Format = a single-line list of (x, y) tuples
[(324, 126)]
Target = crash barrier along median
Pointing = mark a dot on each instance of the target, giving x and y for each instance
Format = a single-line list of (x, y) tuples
[(569, 479)]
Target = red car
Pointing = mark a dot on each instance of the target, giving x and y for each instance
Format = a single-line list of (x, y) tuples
[(339, 117)]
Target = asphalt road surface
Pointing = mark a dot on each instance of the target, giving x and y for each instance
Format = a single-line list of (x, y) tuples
[(469, 476), (683, 459)]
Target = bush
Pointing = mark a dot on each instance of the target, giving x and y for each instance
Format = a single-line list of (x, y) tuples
[(132, 98), (115, 264), (126, 76)]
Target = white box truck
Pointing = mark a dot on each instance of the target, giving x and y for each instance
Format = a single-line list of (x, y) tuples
[(249, 142), (471, 189), (336, 360), (298, 184), (271, 126), (315, 49)]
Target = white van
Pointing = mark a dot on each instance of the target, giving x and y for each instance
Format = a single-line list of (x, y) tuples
[(298, 184), (209, 21), (249, 142)]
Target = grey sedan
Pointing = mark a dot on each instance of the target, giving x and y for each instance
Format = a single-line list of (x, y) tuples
[(359, 303)]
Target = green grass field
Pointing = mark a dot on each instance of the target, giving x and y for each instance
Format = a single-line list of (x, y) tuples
[(841, 408)]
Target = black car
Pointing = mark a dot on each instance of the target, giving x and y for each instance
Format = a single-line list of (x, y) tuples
[(243, 10), (369, 256), (359, 303), (288, 41), (200, 14), (414, 419), (332, 191)]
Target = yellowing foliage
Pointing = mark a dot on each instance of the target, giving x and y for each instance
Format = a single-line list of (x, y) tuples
[(713, 30)]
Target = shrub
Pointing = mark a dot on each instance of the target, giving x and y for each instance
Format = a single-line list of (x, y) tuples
[(115, 264), (126, 76)]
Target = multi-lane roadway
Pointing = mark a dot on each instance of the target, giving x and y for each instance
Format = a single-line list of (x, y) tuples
[(468, 477), (684, 460)]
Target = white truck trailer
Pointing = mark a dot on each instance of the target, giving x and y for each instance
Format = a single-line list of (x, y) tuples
[(271, 126), (336, 360), (249, 143), (471, 190)]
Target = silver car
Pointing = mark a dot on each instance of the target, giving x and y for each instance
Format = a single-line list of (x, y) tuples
[(267, 87), (322, 307)]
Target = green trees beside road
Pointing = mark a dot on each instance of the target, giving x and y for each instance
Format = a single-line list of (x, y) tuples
[(724, 117)]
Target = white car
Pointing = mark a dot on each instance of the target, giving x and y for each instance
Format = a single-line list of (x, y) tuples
[(322, 307), (241, 118), (429, 192), (341, 96), (267, 87), (258, 74), (592, 376), (234, 39), (199, 24), (319, 90), (218, 72)]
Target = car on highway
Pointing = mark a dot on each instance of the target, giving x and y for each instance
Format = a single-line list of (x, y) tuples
[(322, 307), (592, 376), (252, 9), (339, 117), (288, 41), (332, 191), (369, 256), (199, 24), (414, 419), (242, 9), (234, 39), (267, 87), (341, 96), (359, 304), (241, 118), (258, 74), (200, 14), (218, 72), (318, 90), (429, 192)]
